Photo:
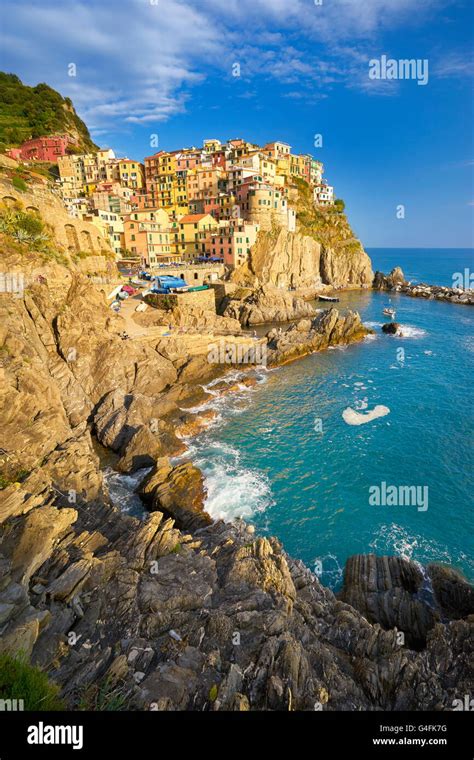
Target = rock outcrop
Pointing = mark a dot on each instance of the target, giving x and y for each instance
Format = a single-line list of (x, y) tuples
[(399, 593), (294, 260), (391, 328), (395, 281), (453, 595), (390, 281), (213, 620), (177, 491), (190, 319), (282, 259), (384, 590), (329, 328), (267, 304)]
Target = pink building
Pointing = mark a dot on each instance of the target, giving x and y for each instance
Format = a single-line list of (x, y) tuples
[(231, 242), (42, 148)]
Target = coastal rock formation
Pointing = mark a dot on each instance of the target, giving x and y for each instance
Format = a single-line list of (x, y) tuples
[(173, 612), (178, 492), (329, 328), (384, 590), (293, 260), (267, 304), (391, 328), (282, 259), (399, 593), (453, 595), (395, 281), (215, 619), (346, 266)]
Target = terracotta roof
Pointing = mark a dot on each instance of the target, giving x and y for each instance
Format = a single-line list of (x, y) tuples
[(192, 218)]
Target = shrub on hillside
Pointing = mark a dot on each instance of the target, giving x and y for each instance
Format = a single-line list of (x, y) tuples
[(19, 680), (19, 184)]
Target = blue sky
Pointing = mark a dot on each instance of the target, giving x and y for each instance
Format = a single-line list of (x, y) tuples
[(165, 67)]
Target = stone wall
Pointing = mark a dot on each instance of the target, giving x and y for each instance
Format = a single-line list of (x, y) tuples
[(72, 234), (201, 274), (205, 299)]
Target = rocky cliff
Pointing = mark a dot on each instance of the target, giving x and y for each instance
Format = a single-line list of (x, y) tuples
[(283, 259), (173, 611), (323, 252)]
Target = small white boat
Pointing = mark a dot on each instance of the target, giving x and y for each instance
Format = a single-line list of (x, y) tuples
[(390, 312)]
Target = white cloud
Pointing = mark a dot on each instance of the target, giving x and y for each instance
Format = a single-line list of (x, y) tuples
[(138, 62)]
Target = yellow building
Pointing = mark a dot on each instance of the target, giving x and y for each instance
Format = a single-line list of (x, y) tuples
[(190, 234), (166, 185), (131, 173)]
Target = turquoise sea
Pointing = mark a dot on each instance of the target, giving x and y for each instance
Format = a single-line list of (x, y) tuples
[(282, 456)]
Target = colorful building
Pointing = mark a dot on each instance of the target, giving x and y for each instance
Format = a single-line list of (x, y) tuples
[(113, 197), (43, 148), (190, 235), (231, 242), (147, 235), (110, 226), (131, 174)]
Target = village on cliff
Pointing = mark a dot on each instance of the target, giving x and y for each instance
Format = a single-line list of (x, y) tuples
[(184, 205)]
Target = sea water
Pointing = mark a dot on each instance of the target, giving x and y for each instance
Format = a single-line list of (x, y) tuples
[(282, 456)]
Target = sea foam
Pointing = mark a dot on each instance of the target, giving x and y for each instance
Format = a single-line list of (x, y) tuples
[(351, 417)]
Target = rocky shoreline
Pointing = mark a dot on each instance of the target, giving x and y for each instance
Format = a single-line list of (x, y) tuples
[(395, 282), (174, 611)]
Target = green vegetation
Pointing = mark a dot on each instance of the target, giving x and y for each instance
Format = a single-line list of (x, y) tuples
[(27, 230), (107, 696), (17, 477), (27, 112), (25, 227), (19, 184), (328, 225), (4, 482), (19, 680)]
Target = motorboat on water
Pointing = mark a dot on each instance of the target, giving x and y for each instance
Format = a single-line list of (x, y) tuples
[(332, 299), (390, 312)]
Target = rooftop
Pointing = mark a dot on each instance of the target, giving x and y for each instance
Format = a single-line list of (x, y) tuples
[(188, 218)]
